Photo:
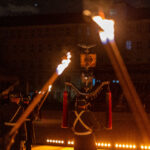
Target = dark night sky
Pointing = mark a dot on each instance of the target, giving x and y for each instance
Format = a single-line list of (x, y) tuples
[(19, 7)]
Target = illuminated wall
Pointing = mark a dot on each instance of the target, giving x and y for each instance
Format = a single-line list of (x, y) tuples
[(132, 32), (33, 52)]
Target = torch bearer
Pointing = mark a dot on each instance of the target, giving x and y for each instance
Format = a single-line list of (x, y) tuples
[(107, 38), (61, 67)]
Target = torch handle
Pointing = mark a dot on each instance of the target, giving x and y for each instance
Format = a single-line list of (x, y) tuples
[(129, 90), (33, 104)]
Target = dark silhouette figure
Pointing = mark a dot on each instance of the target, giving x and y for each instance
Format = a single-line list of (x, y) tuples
[(83, 124), (9, 113)]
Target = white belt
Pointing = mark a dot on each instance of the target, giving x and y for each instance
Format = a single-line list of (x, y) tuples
[(9, 124), (84, 125), (12, 124), (83, 133)]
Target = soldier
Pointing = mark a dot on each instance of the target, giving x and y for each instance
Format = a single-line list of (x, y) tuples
[(29, 125), (83, 124), (9, 113)]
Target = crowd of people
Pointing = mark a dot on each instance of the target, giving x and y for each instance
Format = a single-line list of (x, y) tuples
[(12, 105)]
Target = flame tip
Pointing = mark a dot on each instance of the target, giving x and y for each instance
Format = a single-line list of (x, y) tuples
[(108, 28), (65, 62)]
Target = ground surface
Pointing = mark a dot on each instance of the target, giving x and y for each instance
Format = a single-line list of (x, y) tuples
[(51, 148)]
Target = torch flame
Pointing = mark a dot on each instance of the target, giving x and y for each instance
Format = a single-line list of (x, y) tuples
[(49, 88), (64, 64), (108, 28)]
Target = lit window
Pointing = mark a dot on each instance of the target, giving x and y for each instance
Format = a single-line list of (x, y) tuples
[(94, 81), (128, 45), (117, 81), (113, 81)]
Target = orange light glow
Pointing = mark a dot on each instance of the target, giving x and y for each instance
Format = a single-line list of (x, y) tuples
[(108, 28), (123, 146), (69, 142), (130, 146), (72, 142), (120, 145), (142, 147), (101, 144), (51, 148), (51, 141), (64, 64), (116, 145), (134, 146)]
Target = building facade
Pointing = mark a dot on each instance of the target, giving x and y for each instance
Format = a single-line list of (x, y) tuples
[(32, 48)]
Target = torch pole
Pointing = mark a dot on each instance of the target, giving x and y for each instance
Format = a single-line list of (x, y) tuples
[(31, 107), (129, 90)]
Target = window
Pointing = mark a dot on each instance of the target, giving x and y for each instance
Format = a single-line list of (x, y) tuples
[(94, 81), (128, 45)]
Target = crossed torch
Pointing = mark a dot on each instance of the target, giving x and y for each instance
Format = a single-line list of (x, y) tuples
[(47, 87), (107, 39)]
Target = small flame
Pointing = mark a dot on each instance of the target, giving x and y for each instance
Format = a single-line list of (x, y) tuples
[(49, 88), (108, 28), (64, 64)]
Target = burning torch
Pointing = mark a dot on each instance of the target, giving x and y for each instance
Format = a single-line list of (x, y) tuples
[(107, 38), (60, 68)]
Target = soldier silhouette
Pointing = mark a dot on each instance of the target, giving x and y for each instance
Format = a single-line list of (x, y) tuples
[(9, 113), (83, 124)]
